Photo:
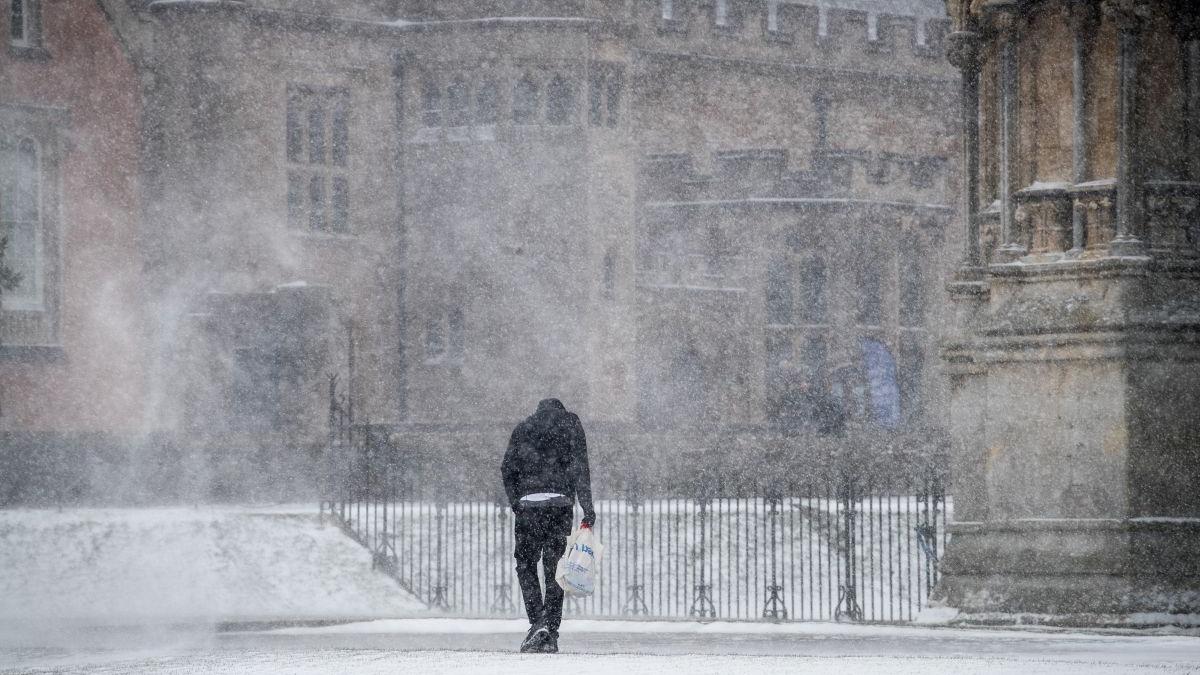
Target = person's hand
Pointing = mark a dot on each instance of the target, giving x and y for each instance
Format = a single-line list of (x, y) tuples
[(589, 519)]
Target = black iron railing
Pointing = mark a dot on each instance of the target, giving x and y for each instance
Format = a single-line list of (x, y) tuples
[(850, 540)]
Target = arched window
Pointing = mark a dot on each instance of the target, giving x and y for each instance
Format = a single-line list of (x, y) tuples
[(487, 102), (560, 101), (812, 292), (20, 220), (610, 273), (458, 103), (779, 291), (912, 369), (18, 22), (525, 100), (431, 102), (912, 291), (870, 289), (604, 94), (721, 15)]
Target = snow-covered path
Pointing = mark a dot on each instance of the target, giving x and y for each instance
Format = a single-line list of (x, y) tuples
[(442, 647)]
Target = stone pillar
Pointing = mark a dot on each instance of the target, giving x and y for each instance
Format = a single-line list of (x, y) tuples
[(1083, 17), (1189, 38), (1075, 380), (1128, 15), (1006, 22), (962, 50)]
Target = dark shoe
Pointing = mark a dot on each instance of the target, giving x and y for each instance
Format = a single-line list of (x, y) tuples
[(535, 638), (550, 646)]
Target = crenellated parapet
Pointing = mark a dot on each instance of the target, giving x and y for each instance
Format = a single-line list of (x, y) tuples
[(860, 26)]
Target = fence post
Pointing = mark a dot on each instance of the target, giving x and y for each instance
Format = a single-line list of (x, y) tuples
[(848, 589), (439, 597), (774, 608), (702, 605), (502, 603), (635, 603)]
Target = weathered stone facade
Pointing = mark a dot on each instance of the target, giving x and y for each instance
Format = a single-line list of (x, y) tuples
[(1074, 376), (661, 212)]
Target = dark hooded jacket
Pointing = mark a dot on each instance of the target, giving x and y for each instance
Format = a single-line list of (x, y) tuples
[(548, 453)]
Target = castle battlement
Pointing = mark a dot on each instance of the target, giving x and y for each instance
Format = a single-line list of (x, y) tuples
[(857, 26), (756, 174), (830, 27)]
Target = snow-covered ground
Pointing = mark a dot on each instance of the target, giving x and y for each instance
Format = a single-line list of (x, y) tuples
[(455, 646), (186, 565), (178, 590)]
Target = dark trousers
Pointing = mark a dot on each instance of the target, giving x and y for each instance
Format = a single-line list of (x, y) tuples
[(541, 534)]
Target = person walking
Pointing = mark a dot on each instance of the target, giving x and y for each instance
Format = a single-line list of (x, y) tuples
[(545, 470)]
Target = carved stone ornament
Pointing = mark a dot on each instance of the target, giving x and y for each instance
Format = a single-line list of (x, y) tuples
[(1004, 17), (1083, 16), (1128, 14), (963, 49)]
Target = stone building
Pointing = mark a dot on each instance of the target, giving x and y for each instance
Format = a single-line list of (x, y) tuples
[(71, 339), (1074, 373), (662, 212)]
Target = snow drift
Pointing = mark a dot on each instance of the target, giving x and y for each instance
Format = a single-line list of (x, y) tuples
[(209, 564)]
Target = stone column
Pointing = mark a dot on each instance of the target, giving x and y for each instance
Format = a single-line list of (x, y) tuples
[(1128, 15), (962, 50), (1188, 30), (1083, 18), (1006, 22)]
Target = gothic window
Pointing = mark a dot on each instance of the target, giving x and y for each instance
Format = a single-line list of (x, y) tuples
[(316, 133), (812, 291), (20, 221), (339, 137), (339, 205), (455, 330), (668, 10), (316, 198), (612, 97), (295, 129), (773, 16), (487, 102), (525, 100), (445, 337), (779, 356), (431, 102), (814, 357), (560, 101), (24, 24), (912, 366), (779, 291), (18, 30), (435, 339), (604, 94), (610, 273), (912, 291), (721, 13), (318, 153), (458, 103), (870, 291)]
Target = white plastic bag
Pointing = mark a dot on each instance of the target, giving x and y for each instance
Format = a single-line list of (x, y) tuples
[(579, 566)]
